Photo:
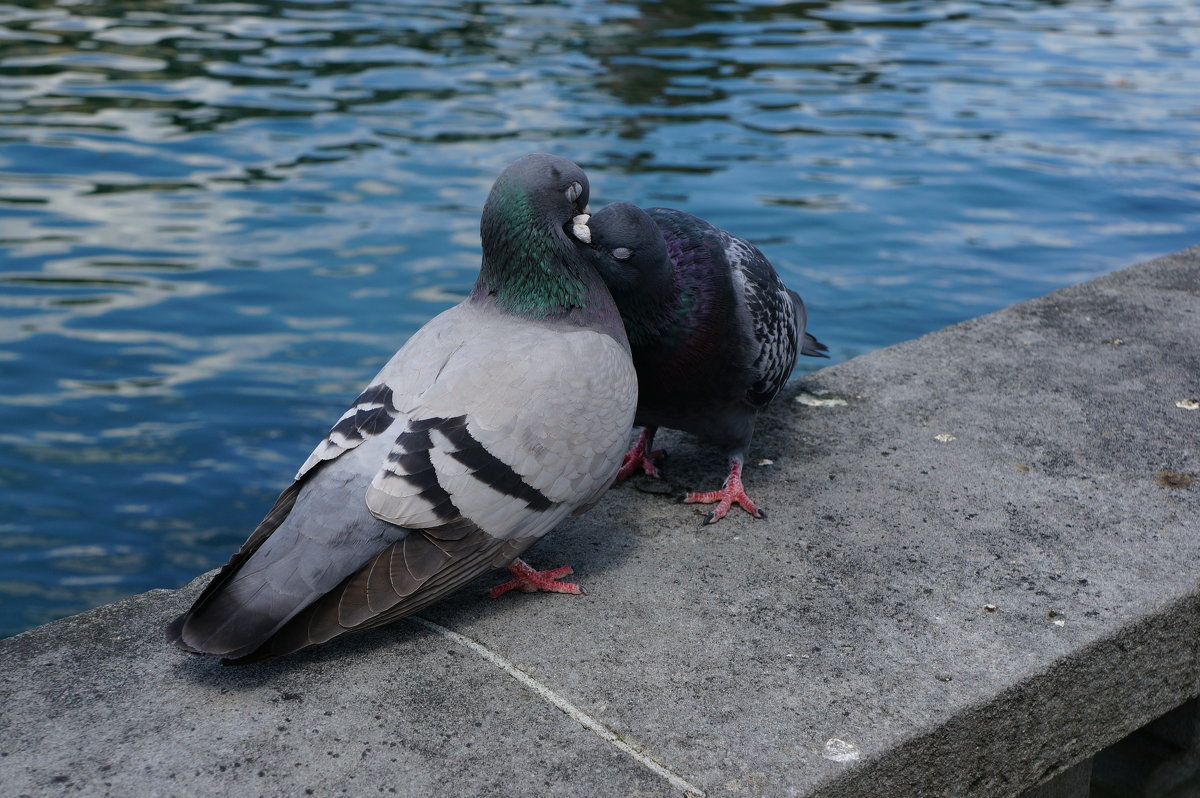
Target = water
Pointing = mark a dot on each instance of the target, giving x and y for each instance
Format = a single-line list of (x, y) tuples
[(217, 219)]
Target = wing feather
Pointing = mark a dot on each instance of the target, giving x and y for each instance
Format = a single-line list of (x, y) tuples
[(276, 516), (775, 321), (344, 609)]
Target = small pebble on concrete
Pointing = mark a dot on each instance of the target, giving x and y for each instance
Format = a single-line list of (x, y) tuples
[(815, 400), (840, 750)]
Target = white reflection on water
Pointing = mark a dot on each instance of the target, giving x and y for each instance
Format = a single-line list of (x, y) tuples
[(218, 219)]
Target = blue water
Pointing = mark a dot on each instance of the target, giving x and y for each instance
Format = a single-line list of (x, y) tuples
[(217, 219)]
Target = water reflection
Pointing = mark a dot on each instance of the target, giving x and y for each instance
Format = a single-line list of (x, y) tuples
[(217, 218)]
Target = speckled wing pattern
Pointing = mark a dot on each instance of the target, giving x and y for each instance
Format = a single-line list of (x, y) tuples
[(461, 453), (774, 316)]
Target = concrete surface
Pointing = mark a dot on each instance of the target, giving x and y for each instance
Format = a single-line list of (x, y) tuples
[(978, 571)]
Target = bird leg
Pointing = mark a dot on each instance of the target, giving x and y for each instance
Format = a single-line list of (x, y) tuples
[(641, 455), (530, 580), (730, 493)]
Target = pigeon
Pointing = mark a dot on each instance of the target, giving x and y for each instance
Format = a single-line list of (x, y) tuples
[(498, 419), (714, 333)]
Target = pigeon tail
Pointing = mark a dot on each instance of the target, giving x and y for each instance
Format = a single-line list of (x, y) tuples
[(811, 347)]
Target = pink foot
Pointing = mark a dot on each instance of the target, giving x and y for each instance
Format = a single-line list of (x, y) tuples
[(730, 493), (528, 580), (640, 455)]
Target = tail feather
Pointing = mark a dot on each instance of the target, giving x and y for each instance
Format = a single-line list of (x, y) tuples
[(812, 347), (809, 345), (176, 631)]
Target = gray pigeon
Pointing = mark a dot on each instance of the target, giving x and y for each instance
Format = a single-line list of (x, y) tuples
[(496, 420), (714, 332)]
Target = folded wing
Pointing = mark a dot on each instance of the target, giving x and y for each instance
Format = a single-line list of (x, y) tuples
[(463, 451)]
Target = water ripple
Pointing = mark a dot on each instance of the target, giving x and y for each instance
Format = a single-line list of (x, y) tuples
[(218, 218)]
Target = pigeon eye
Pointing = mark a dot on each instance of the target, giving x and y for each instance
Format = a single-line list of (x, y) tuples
[(574, 191), (622, 253)]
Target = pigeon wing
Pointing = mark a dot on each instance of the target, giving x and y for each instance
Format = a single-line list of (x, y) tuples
[(514, 441), (514, 431), (243, 603), (777, 323)]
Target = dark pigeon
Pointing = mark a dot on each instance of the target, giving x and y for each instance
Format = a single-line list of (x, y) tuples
[(498, 419), (714, 332)]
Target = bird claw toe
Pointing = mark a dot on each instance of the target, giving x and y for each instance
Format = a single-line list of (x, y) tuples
[(731, 493), (528, 580), (640, 458)]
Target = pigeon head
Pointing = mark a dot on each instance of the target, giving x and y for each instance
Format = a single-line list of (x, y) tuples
[(628, 249), (531, 263), (538, 187)]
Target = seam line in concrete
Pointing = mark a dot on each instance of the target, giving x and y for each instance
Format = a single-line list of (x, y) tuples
[(584, 719)]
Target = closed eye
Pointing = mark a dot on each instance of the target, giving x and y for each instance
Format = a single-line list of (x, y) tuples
[(574, 191), (622, 253)]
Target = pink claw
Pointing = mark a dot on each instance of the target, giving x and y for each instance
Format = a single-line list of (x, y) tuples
[(640, 455), (529, 580), (730, 493)]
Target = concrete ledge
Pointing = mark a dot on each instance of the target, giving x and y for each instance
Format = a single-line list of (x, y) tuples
[(978, 571)]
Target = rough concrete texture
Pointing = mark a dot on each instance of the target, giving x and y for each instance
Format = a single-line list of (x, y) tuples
[(978, 571)]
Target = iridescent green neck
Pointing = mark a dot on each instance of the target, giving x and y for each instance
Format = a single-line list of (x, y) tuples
[(526, 270)]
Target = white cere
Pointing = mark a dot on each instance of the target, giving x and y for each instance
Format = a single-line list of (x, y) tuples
[(580, 229)]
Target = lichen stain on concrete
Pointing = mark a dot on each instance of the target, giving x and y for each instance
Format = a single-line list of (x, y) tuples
[(754, 781), (1174, 479)]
